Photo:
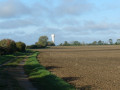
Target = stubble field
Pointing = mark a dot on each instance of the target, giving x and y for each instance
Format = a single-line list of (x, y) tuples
[(85, 67)]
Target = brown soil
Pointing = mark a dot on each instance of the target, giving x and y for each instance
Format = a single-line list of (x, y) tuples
[(86, 67)]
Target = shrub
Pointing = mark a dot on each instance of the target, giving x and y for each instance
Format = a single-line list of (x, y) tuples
[(2, 51), (8, 45), (32, 47), (20, 46), (49, 43)]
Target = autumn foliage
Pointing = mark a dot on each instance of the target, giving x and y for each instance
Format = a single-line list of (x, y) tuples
[(8, 46)]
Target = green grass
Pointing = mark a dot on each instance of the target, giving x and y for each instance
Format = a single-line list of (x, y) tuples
[(6, 58), (14, 58), (15, 62), (42, 78)]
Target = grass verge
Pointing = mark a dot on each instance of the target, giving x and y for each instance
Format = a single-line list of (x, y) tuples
[(42, 78), (14, 57), (6, 58)]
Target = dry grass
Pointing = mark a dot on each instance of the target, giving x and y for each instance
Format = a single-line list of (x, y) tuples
[(86, 67)]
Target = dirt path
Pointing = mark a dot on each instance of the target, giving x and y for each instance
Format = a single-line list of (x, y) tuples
[(19, 74)]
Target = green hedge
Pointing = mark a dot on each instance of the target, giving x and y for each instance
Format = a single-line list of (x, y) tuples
[(8, 45), (20, 46), (2, 51)]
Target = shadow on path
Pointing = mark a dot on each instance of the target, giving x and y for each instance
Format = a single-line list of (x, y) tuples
[(19, 74)]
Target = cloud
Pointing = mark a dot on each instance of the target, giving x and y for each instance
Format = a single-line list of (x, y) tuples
[(64, 18), (90, 25), (19, 23), (12, 9), (46, 14), (73, 7)]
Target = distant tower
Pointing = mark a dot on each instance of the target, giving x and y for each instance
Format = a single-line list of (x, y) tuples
[(53, 38)]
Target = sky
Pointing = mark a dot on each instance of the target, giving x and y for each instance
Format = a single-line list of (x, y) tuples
[(70, 20)]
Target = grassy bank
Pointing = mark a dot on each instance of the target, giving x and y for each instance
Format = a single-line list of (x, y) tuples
[(13, 57), (41, 78)]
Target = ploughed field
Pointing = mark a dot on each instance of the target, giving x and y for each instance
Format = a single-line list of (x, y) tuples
[(86, 67)]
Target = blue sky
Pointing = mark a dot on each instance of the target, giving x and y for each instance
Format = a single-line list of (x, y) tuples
[(69, 20)]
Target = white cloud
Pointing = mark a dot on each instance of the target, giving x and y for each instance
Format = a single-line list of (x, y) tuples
[(90, 25), (72, 7), (62, 17), (20, 23), (12, 9)]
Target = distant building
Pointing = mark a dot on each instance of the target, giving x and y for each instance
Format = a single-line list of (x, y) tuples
[(53, 38)]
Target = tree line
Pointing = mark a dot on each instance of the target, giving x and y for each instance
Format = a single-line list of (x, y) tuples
[(100, 42), (8, 46), (42, 43)]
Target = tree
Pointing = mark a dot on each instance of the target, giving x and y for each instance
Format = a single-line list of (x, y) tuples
[(76, 43), (8, 45), (100, 42), (66, 43), (110, 41), (20, 46), (118, 41), (50, 43), (94, 43), (42, 41), (61, 44), (2, 51)]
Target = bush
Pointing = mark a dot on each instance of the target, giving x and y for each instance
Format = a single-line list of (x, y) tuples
[(8, 45), (32, 47), (20, 46), (49, 43), (2, 51)]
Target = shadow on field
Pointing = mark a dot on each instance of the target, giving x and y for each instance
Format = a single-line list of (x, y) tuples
[(68, 79), (87, 87), (52, 67), (42, 79)]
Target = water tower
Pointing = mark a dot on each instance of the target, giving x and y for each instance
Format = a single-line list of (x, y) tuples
[(53, 38)]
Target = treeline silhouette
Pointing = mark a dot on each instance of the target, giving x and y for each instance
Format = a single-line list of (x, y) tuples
[(100, 42)]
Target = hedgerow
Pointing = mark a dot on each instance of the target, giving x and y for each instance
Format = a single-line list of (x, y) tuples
[(8, 46), (20, 46)]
